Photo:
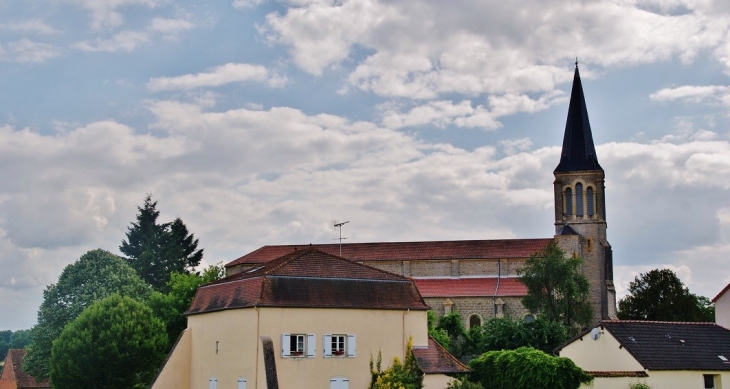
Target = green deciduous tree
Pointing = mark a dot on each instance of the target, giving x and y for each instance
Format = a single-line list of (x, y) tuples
[(155, 250), (116, 343), (556, 289), (439, 334), (660, 295), (14, 340), (95, 275), (169, 307), (459, 341), (507, 334), (526, 368)]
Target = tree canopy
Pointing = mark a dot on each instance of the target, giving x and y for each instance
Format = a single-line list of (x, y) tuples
[(14, 340), (169, 307), (660, 295), (155, 250), (526, 368), (556, 290), (95, 275), (507, 334), (116, 343)]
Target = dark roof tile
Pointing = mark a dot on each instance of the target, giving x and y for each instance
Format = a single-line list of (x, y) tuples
[(400, 251), (673, 345), (310, 279), (434, 359)]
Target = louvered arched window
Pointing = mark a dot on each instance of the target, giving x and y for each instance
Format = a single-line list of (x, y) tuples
[(568, 201), (589, 201), (579, 199)]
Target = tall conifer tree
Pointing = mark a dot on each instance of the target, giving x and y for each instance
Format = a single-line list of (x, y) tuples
[(155, 249)]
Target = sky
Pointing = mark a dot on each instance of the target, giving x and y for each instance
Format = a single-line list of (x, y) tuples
[(260, 122)]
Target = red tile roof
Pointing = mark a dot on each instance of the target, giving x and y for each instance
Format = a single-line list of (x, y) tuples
[(471, 287), (614, 374), (13, 374), (310, 279), (434, 359), (399, 251)]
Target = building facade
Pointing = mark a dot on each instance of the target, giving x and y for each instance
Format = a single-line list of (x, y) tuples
[(478, 278)]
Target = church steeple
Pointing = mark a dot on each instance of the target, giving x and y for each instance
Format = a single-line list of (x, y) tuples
[(579, 153)]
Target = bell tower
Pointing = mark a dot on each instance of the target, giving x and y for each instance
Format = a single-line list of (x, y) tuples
[(580, 205)]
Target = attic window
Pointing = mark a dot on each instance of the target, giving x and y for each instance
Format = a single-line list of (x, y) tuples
[(631, 338), (254, 269), (722, 358)]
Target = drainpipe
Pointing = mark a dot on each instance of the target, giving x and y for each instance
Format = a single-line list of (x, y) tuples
[(258, 340), (496, 288)]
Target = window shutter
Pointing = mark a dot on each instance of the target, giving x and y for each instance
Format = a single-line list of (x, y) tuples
[(311, 345), (589, 200), (213, 383), (285, 345), (327, 346), (351, 345), (568, 201), (241, 383), (579, 199)]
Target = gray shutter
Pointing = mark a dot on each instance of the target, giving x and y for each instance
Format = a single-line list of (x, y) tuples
[(327, 345), (351, 346), (311, 345), (285, 345)]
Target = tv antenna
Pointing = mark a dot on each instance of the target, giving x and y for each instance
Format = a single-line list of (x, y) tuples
[(338, 225)]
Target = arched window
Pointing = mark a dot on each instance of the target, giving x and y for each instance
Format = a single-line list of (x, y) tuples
[(589, 200), (579, 199), (474, 321), (568, 201)]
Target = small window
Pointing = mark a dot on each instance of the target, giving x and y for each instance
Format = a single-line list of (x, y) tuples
[(529, 318), (241, 383), (589, 201), (298, 345), (579, 199), (709, 381), (568, 201), (339, 345), (474, 321), (213, 383)]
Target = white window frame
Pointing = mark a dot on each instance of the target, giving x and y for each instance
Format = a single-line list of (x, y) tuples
[(213, 383), (241, 383), (349, 348), (308, 346)]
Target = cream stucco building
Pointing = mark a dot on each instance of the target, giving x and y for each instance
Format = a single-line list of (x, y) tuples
[(326, 317), (722, 307), (661, 354)]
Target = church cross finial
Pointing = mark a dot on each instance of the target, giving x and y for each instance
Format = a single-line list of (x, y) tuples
[(576, 62)]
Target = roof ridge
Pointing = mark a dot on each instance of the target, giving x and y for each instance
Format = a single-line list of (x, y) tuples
[(661, 322)]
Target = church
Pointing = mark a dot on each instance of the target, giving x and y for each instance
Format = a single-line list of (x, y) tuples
[(478, 278)]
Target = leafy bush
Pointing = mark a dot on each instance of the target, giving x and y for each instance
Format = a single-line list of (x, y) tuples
[(506, 334), (526, 368), (639, 385), (463, 383), (406, 375)]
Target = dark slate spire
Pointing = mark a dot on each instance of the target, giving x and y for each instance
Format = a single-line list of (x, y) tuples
[(578, 154)]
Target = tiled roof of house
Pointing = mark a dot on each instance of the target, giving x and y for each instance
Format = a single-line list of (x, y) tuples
[(471, 287), (673, 345), (399, 251), (614, 374), (13, 374), (434, 359), (309, 279)]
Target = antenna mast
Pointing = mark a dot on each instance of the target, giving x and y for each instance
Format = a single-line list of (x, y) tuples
[(339, 225)]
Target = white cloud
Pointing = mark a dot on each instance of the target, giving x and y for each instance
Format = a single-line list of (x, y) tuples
[(27, 51), (123, 41), (170, 26), (443, 113), (104, 13), (37, 26), (695, 94), (423, 50), (220, 75), (241, 4)]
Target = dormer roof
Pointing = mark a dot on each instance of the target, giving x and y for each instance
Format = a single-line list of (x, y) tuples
[(579, 153)]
